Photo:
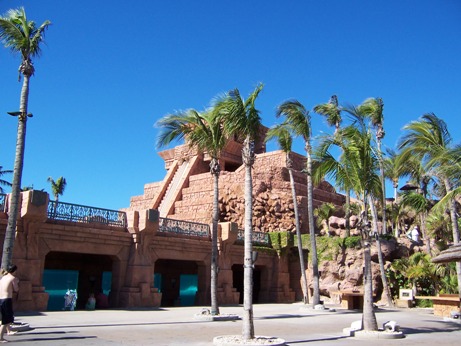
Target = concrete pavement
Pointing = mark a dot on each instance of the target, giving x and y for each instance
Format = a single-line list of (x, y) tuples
[(177, 326)]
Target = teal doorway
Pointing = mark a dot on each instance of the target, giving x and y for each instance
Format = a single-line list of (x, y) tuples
[(188, 289)]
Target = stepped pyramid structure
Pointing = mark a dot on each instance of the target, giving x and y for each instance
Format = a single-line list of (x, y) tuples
[(186, 192)]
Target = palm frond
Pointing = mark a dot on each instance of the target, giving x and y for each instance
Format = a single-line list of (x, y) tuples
[(282, 134)]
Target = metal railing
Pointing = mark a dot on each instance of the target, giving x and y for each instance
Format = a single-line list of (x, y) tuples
[(258, 238), (2, 202), (82, 213), (185, 228)]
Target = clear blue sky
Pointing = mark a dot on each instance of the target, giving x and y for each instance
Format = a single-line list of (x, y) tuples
[(110, 69)]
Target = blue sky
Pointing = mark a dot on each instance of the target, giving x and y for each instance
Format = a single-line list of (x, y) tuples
[(110, 69)]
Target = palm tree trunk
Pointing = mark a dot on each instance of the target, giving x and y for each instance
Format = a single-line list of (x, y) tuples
[(248, 326), (369, 321), (383, 186), (8, 242), (424, 232), (395, 226), (348, 213), (300, 242), (214, 242), (386, 289), (310, 210)]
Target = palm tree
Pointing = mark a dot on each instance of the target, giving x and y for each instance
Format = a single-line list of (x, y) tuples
[(429, 140), (241, 119), (23, 36), (4, 182), (362, 159), (57, 187), (299, 121), (205, 132), (285, 140), (373, 109), (359, 166)]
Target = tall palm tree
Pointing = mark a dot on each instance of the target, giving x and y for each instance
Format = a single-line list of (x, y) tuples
[(298, 119), (360, 163), (285, 140), (22, 36), (241, 119), (372, 110), (429, 140), (4, 182), (205, 132)]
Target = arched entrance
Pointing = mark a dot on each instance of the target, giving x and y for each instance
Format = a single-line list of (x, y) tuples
[(85, 273)]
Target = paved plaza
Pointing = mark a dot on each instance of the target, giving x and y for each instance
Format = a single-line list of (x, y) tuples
[(177, 326)]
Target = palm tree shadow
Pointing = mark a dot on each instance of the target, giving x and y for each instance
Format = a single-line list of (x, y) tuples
[(444, 328), (334, 338)]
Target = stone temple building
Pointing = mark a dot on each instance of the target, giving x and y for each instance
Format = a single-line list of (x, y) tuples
[(157, 252)]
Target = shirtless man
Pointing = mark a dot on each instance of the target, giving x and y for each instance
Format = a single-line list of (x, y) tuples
[(8, 285)]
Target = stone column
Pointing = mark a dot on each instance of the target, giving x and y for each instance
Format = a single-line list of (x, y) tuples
[(138, 289), (33, 214), (227, 235)]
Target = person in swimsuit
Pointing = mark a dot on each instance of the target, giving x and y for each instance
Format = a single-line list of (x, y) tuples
[(8, 284)]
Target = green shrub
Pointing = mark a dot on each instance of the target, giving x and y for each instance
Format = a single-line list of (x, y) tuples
[(424, 303), (352, 242)]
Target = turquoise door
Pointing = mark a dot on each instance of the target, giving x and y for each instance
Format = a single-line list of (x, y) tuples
[(106, 282), (188, 289)]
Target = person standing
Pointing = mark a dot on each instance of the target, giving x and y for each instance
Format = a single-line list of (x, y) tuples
[(8, 284)]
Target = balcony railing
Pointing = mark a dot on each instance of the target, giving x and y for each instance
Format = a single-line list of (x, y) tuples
[(258, 238), (2, 202), (184, 228), (82, 213)]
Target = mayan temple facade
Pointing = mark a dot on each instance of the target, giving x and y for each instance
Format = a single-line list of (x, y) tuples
[(186, 193), (157, 252)]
